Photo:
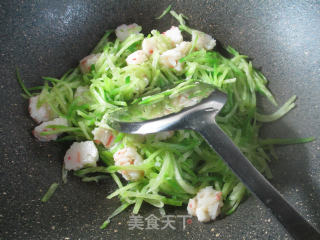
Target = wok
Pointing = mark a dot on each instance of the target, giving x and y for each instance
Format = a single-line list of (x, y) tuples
[(46, 38)]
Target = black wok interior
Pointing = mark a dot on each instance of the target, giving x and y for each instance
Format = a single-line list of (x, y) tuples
[(46, 38)]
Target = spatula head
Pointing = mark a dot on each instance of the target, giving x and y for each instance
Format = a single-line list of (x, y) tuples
[(211, 103)]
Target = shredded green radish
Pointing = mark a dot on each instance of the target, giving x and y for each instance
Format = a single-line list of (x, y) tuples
[(175, 169), (164, 12), (26, 91), (279, 113), (50, 192)]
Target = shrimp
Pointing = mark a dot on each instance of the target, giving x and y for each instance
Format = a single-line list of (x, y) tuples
[(163, 135), (204, 40), (41, 114), (174, 34), (137, 57), (80, 91), (149, 45), (80, 155), (171, 57), (43, 128), (206, 205), (184, 48), (124, 31), (129, 156), (184, 100), (82, 95), (156, 43), (86, 62), (103, 136)]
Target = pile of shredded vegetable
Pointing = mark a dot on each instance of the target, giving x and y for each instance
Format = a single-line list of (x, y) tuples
[(175, 169)]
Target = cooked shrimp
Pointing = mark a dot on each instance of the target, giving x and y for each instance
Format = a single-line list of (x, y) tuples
[(43, 128), (124, 31), (204, 40), (86, 62), (171, 57), (184, 48), (184, 100), (160, 136), (103, 136), (80, 155), (137, 57), (174, 34), (149, 45), (206, 205), (82, 95), (41, 114), (80, 91), (129, 156)]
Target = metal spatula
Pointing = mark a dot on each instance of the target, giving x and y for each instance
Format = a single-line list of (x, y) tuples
[(201, 118)]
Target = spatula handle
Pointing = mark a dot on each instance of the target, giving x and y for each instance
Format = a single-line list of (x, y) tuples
[(294, 223)]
